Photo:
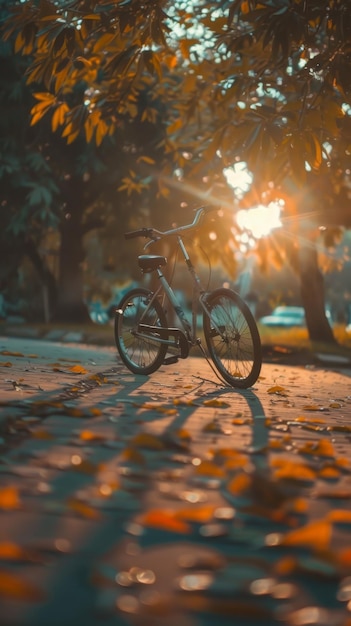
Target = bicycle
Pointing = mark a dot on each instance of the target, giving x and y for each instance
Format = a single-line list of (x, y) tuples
[(143, 335)]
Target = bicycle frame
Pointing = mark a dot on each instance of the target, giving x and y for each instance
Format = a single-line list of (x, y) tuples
[(186, 336)]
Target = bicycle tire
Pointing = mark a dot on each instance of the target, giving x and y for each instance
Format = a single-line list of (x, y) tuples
[(235, 350), (140, 355)]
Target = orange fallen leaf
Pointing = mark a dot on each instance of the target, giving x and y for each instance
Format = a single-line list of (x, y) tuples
[(201, 514), (216, 403), (88, 435), (239, 484), (165, 520), (312, 407), (9, 498), (41, 433), (14, 586), (323, 447), (329, 472), (5, 364), (147, 440), (78, 369), (180, 402), (292, 470), (83, 509), (10, 551), (316, 535), (340, 516), (278, 390), (133, 456), (343, 557), (208, 468)]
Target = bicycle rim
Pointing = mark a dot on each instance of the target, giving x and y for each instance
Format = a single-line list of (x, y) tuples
[(232, 338), (142, 355)]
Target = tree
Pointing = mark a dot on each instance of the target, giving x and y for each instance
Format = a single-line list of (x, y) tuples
[(265, 82), (50, 186)]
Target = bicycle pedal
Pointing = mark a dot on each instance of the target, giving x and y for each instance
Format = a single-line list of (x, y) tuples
[(170, 360)]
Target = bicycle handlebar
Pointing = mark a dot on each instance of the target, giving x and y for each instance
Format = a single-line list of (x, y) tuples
[(153, 233)]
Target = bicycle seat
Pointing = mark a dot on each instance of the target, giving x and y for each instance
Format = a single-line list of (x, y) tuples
[(150, 262)]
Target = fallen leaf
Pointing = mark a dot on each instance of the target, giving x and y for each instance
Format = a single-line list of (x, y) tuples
[(42, 434), (133, 456), (165, 520), (146, 440), (278, 390), (5, 364), (312, 407), (83, 509), (9, 498), (78, 369), (88, 435), (180, 402), (316, 535), (285, 469), (321, 448), (10, 551), (216, 403), (329, 473), (201, 514), (340, 516), (239, 484), (14, 586), (208, 468)]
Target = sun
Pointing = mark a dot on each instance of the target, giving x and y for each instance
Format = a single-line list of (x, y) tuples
[(261, 220)]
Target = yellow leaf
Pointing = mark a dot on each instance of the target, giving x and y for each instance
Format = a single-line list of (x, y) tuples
[(146, 159), (9, 498)]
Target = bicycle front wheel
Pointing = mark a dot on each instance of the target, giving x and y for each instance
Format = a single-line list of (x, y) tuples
[(140, 351), (232, 338)]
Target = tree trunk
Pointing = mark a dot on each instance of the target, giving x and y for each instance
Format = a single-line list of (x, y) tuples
[(71, 307), (312, 294), (47, 278)]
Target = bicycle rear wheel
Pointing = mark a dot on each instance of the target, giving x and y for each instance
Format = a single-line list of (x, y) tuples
[(232, 338), (141, 354)]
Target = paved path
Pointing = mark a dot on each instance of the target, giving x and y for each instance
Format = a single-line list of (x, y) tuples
[(171, 499)]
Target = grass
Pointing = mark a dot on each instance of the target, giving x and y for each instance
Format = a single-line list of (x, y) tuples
[(298, 339)]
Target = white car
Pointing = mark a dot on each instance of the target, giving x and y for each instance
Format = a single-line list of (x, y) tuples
[(285, 316)]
